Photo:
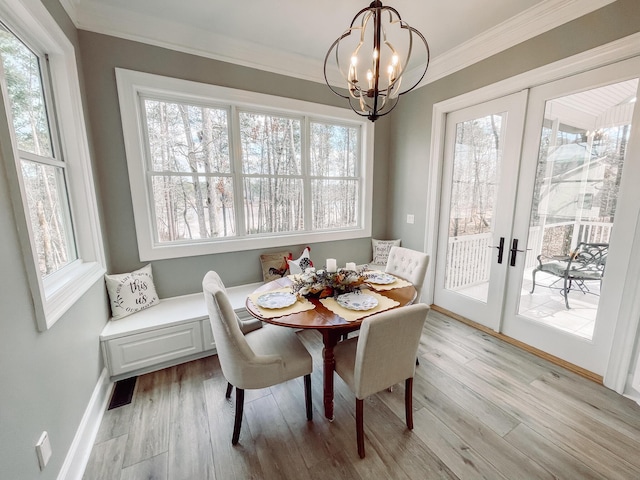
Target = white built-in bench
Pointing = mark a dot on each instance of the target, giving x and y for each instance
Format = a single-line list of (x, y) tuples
[(176, 330)]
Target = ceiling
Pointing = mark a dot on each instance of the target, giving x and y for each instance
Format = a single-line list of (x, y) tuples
[(291, 37)]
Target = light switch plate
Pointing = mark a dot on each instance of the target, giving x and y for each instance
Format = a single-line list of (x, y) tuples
[(410, 218), (43, 449)]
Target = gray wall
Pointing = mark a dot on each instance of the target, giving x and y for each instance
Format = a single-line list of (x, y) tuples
[(101, 54), (46, 379), (411, 121)]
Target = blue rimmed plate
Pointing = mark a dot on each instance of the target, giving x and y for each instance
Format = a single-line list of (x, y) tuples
[(276, 300), (357, 301), (380, 278)]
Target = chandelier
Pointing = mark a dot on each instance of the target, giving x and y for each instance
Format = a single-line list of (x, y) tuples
[(372, 56)]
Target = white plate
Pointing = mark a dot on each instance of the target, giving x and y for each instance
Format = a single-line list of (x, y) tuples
[(276, 300), (380, 278), (357, 301)]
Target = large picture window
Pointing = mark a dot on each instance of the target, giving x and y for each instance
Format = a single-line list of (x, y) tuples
[(214, 169)]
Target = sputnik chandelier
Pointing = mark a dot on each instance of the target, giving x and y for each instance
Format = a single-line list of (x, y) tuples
[(372, 56)]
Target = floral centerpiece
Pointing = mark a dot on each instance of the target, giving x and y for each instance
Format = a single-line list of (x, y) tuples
[(321, 283)]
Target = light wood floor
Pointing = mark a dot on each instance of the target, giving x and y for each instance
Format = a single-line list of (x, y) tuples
[(482, 409)]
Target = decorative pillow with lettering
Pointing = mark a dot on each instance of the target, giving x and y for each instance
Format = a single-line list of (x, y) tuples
[(381, 250), (131, 292), (274, 265), (300, 264)]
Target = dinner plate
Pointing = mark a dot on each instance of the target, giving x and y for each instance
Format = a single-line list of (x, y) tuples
[(276, 300), (380, 278), (357, 301)]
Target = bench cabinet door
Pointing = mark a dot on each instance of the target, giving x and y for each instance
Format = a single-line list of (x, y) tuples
[(207, 335), (155, 347)]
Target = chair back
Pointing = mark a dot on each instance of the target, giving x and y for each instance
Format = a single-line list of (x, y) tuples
[(234, 353), (589, 259), (410, 265), (387, 348)]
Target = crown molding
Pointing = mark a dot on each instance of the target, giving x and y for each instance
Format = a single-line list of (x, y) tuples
[(71, 7), (92, 15), (119, 22), (534, 21)]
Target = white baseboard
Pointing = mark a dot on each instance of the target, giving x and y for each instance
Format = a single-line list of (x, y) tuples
[(78, 454)]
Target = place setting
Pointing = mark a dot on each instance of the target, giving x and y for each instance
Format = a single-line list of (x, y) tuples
[(278, 303), (382, 281), (355, 305)]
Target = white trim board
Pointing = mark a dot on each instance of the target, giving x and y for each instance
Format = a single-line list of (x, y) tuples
[(94, 16), (78, 454)]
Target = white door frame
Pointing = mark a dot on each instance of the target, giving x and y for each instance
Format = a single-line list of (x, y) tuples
[(617, 371), (592, 354), (487, 312)]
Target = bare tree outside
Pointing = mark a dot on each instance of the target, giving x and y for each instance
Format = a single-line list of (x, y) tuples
[(475, 175), (43, 173), (194, 176)]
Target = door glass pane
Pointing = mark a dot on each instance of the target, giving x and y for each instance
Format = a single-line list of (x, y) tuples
[(476, 169), (581, 154)]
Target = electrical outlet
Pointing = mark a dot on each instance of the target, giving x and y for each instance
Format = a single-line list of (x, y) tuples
[(43, 449), (410, 218)]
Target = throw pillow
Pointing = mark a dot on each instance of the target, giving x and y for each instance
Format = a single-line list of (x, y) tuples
[(131, 292), (274, 265), (302, 263), (381, 250)]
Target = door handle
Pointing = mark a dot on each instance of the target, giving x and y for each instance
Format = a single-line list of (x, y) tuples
[(514, 252), (500, 248)]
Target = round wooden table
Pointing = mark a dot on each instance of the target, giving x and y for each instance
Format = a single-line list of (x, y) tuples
[(330, 325)]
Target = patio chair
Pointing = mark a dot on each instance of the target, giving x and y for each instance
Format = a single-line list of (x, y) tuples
[(586, 263)]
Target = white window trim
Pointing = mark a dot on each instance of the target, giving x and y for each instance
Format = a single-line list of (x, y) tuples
[(53, 296), (132, 84)]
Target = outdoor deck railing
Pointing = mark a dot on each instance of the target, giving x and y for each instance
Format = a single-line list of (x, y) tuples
[(469, 256)]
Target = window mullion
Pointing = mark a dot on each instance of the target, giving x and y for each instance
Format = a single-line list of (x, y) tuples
[(306, 173), (235, 151)]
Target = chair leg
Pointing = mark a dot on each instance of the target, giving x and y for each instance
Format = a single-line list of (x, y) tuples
[(533, 279), (307, 396), (567, 287), (229, 390), (239, 410), (408, 402), (360, 426)]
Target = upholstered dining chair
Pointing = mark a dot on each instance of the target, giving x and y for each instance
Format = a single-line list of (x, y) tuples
[(410, 265), (258, 359), (382, 355)]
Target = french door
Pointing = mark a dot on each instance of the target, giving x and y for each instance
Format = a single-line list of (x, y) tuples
[(572, 182), (481, 160)]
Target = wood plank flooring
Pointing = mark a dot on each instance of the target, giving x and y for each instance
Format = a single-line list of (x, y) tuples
[(483, 409)]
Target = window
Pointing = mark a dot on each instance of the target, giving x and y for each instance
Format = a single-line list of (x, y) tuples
[(45, 147), (214, 169), (43, 173)]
